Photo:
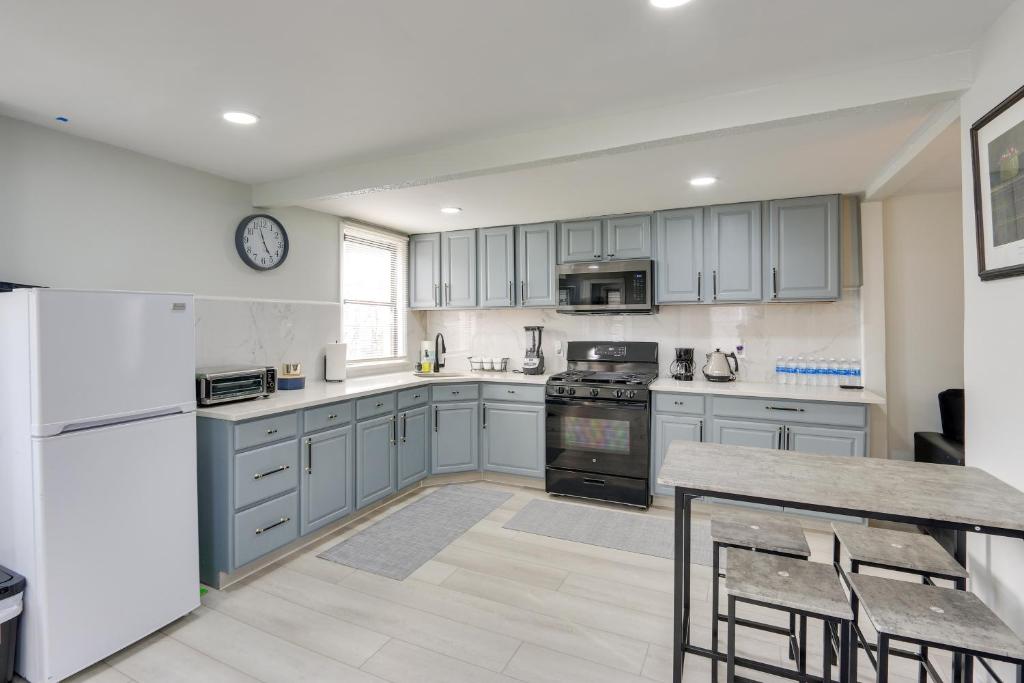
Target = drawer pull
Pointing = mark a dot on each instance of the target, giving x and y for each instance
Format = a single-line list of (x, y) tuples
[(594, 482), (332, 416), (380, 404), (283, 520), (789, 410), (679, 403), (271, 431), (415, 395), (511, 391), (455, 393), (282, 468)]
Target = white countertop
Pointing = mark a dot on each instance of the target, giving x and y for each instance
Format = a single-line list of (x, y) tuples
[(319, 393), (762, 390)]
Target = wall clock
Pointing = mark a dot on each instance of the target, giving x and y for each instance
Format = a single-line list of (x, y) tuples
[(261, 241)]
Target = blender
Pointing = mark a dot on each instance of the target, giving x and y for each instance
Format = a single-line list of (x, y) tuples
[(533, 362)]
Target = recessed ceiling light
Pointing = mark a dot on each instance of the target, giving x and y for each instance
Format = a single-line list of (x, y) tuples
[(451, 209), (668, 4), (241, 117), (703, 181)]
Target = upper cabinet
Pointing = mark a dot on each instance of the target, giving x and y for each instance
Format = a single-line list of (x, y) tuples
[(679, 243), (425, 271), (627, 237), (732, 237), (580, 241), (535, 264), (497, 266), (458, 269), (803, 249)]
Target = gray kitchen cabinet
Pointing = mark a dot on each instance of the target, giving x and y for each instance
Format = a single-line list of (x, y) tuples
[(375, 460), (826, 441), (580, 241), (425, 271), (456, 437), (669, 428), (458, 269), (679, 246), (803, 249), (413, 445), (627, 237), (328, 478), (755, 434), (496, 265), (536, 256), (732, 237), (512, 438)]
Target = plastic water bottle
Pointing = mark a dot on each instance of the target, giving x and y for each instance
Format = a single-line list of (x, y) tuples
[(780, 370), (812, 371), (820, 372), (833, 372), (790, 370), (844, 372), (855, 379), (801, 370)]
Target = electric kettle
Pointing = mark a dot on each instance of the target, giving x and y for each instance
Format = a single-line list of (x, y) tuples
[(719, 369)]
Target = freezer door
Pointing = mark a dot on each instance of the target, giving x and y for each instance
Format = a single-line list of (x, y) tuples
[(104, 357), (117, 540)]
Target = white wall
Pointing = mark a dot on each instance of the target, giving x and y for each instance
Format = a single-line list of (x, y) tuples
[(993, 334), (924, 311), (78, 213)]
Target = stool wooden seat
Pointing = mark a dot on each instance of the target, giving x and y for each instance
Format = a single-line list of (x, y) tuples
[(809, 589), (934, 616), (900, 550)]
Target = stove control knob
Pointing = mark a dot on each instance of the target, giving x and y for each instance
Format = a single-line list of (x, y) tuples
[(572, 391), (561, 390), (618, 393), (595, 392), (630, 394)]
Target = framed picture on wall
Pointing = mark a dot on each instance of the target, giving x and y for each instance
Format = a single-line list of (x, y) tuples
[(997, 148)]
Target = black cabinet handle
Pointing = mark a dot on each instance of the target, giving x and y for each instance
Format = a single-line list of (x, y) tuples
[(701, 433), (405, 426), (271, 432), (283, 520), (309, 456), (511, 293), (485, 416), (278, 470), (714, 285), (700, 276), (594, 482), (435, 418), (775, 284), (522, 291), (783, 408)]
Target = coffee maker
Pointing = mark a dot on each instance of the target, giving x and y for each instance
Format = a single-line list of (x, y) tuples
[(682, 366), (533, 361)]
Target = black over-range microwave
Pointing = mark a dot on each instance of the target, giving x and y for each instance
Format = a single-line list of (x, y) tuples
[(606, 287)]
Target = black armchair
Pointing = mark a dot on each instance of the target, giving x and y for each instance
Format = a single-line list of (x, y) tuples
[(946, 448)]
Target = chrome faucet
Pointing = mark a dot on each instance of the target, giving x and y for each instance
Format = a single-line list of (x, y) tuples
[(437, 355)]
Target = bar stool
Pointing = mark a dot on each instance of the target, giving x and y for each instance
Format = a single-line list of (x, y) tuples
[(809, 589), (937, 617), (764, 533), (902, 551)]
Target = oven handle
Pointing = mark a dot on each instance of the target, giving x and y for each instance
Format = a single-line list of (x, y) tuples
[(571, 402)]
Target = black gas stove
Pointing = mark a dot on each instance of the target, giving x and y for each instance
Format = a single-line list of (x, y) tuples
[(599, 421)]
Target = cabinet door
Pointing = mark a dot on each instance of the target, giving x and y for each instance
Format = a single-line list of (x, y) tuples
[(413, 446), (803, 249), (328, 478), (669, 428), (425, 271), (733, 239), (535, 263), (679, 246), (458, 268), (456, 438), (627, 237), (375, 454), (580, 241), (496, 264), (756, 434), (827, 441), (512, 438)]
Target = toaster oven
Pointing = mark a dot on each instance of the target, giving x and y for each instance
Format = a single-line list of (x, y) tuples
[(222, 385)]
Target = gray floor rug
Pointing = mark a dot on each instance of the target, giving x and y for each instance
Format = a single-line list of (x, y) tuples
[(634, 532), (400, 543)]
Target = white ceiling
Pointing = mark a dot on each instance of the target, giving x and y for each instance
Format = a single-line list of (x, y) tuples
[(840, 152), (356, 80)]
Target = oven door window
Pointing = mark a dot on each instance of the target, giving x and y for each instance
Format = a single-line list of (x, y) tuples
[(595, 434)]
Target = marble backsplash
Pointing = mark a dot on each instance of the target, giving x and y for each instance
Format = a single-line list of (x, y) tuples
[(830, 330)]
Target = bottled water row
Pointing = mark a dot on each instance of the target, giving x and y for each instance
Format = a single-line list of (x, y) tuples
[(819, 372)]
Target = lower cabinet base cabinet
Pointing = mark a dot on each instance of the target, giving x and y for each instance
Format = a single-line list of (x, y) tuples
[(740, 433), (375, 460), (456, 437), (413, 446), (669, 428), (327, 490), (512, 438)]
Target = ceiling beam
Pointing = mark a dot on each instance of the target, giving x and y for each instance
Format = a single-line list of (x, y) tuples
[(940, 75)]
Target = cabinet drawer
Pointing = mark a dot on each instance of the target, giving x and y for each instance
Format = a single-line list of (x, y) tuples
[(265, 430), (791, 411), (457, 392), (321, 417), (513, 392), (373, 406), (413, 397), (679, 403), (266, 528), (266, 472)]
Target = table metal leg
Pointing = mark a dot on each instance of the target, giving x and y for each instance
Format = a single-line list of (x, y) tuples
[(958, 659), (715, 562), (730, 667), (968, 669), (846, 648), (681, 582), (882, 670), (802, 663), (826, 653)]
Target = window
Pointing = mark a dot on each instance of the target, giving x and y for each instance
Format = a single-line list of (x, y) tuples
[(373, 293)]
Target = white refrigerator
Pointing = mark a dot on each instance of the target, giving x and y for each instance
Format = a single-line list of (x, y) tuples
[(98, 502)]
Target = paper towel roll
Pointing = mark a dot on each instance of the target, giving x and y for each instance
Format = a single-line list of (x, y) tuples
[(334, 362)]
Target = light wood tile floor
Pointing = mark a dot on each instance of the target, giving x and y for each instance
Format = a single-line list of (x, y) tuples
[(495, 605)]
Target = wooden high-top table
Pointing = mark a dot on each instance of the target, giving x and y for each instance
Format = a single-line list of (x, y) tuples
[(959, 498)]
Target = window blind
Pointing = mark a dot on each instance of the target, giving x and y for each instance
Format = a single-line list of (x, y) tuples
[(374, 293)]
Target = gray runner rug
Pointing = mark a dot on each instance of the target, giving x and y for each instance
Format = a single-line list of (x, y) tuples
[(400, 543), (634, 532)]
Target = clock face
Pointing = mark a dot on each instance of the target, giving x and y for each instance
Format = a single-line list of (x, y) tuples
[(261, 241)]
